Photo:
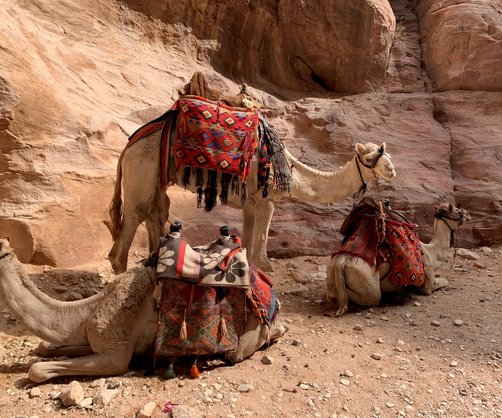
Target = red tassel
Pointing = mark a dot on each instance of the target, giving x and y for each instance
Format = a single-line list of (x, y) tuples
[(194, 371)]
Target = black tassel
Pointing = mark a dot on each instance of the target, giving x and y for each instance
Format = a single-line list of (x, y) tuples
[(199, 182), (265, 190), (235, 185), (226, 178), (244, 193), (185, 179), (211, 191)]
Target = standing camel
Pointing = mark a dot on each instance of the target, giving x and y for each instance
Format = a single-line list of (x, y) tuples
[(138, 174), (349, 277)]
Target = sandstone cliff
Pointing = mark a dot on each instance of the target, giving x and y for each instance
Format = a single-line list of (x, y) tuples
[(78, 77)]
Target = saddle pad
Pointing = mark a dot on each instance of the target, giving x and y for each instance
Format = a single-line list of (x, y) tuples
[(212, 319), (215, 136), (262, 298), (405, 254)]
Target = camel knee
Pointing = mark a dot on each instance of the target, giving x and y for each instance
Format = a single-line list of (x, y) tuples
[(277, 330)]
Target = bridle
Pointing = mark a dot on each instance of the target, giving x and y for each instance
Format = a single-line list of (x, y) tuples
[(446, 218), (371, 166)]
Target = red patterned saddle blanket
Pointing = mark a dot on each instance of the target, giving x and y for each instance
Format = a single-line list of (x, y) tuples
[(212, 135)]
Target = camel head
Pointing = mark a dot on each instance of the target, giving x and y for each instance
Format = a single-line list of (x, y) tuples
[(374, 157), (5, 248), (453, 216)]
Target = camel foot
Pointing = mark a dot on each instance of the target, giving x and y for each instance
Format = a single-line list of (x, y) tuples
[(342, 310)]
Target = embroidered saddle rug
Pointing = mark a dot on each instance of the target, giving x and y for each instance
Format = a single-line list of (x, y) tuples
[(211, 135), (400, 245), (198, 134)]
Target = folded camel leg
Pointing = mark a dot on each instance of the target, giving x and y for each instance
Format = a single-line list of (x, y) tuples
[(93, 365), (254, 337), (47, 350)]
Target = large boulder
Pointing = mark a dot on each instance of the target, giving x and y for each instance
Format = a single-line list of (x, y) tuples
[(335, 45), (462, 43)]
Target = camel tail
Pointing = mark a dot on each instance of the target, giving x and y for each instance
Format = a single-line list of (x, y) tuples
[(115, 209)]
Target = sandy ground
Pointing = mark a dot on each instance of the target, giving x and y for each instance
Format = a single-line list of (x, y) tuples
[(419, 356)]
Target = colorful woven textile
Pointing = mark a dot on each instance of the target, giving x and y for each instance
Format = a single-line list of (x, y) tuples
[(399, 244), (212, 135), (199, 320), (220, 263), (406, 254), (261, 297)]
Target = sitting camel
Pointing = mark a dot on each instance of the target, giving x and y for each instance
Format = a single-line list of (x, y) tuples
[(138, 174), (103, 331), (350, 277)]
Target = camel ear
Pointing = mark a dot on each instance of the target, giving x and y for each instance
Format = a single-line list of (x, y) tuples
[(7, 238), (360, 149), (383, 146), (450, 208)]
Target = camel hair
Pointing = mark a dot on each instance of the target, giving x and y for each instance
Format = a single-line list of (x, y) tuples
[(351, 278), (101, 332), (138, 176)]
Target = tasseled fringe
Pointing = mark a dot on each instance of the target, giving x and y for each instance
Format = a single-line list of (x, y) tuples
[(211, 191), (225, 181), (194, 371), (223, 327), (244, 193), (169, 373), (185, 178), (199, 182), (183, 328), (282, 170)]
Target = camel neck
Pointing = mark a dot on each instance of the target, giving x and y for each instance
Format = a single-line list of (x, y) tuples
[(317, 186)]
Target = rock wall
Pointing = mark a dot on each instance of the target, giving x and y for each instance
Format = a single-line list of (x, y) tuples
[(307, 45), (461, 43), (77, 78)]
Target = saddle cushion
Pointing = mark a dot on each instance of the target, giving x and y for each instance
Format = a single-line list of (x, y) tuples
[(220, 263), (212, 319), (212, 135)]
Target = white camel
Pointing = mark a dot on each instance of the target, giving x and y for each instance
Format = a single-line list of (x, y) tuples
[(351, 278), (104, 330), (138, 174)]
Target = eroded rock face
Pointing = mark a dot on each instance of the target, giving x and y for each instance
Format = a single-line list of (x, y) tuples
[(461, 41), (70, 97), (335, 45)]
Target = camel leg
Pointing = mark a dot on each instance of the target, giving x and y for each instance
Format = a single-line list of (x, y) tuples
[(93, 365), (255, 336), (156, 219), (139, 193), (119, 253), (46, 349), (335, 281), (263, 217), (433, 284), (248, 220), (362, 283)]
